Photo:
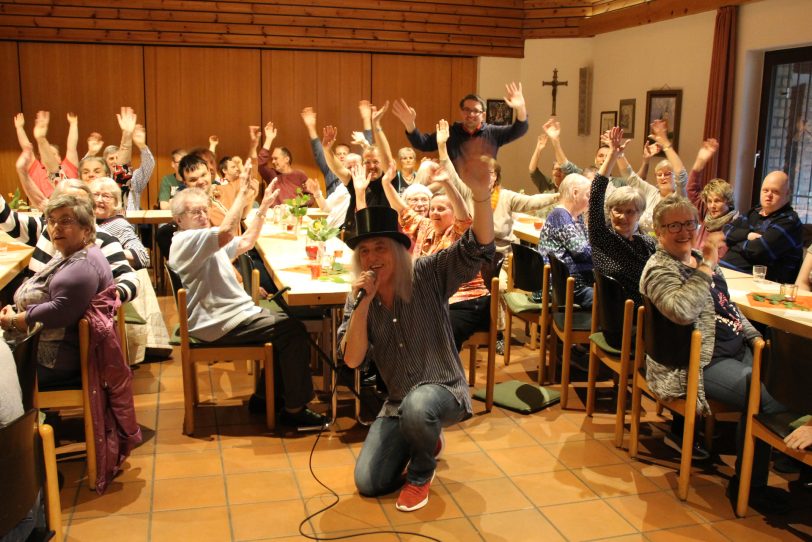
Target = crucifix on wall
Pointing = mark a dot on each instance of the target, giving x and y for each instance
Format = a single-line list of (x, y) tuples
[(555, 83)]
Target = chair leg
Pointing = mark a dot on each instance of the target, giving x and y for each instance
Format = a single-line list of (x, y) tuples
[(685, 460), (53, 508), (634, 438), (659, 408), (270, 392), (710, 426), (553, 354), (534, 332), (189, 390), (565, 375), (746, 474), (592, 377), (507, 334), (472, 365), (542, 353), (620, 412)]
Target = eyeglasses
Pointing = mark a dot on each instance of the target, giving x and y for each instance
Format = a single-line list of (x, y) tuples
[(105, 197), (63, 222), (200, 211), (469, 111), (676, 227)]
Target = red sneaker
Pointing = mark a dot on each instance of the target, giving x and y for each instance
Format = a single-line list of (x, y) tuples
[(413, 497), (438, 450)]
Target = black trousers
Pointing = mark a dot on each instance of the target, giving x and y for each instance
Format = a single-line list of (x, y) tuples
[(468, 317)]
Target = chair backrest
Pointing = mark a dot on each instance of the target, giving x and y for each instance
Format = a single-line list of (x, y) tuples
[(611, 298), (21, 469), (526, 268), (788, 371), (25, 357), (666, 342), (559, 273), (174, 279), (245, 267)]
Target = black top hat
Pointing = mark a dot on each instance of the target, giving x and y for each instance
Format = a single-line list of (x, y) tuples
[(378, 222)]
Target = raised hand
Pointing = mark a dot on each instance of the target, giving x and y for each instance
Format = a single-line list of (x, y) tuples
[(358, 138), (140, 136), (213, 142), (73, 118), (390, 173), (270, 131), (406, 114), (442, 132), (659, 132), (614, 138), (377, 114), (312, 186), (707, 150), (542, 141), (253, 135), (514, 96), (552, 128), (19, 120), (126, 120), (365, 109), (650, 150), (360, 180), (328, 137), (41, 124), (309, 117), (95, 143)]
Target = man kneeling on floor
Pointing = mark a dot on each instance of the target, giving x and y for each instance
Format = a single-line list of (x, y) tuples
[(402, 324), (221, 313)]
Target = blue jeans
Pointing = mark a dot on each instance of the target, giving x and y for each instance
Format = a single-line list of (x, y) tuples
[(728, 380), (410, 438)]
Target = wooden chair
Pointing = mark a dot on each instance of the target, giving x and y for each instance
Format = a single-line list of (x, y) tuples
[(28, 464), (194, 352), (486, 339), (787, 378), (572, 326), (73, 397), (25, 358), (677, 346), (524, 276), (611, 343)]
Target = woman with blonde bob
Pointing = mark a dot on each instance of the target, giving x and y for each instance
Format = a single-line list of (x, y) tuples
[(713, 199)]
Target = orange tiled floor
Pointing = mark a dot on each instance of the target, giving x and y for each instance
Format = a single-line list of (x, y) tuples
[(554, 475)]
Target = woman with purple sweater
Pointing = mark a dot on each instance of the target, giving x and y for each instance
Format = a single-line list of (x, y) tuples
[(59, 295)]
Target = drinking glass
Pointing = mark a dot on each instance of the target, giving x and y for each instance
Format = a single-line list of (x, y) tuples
[(789, 291), (759, 273)]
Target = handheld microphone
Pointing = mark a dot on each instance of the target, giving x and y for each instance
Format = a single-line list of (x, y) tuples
[(362, 293)]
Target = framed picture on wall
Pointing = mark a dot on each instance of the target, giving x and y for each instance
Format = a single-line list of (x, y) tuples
[(626, 116), (666, 105), (499, 113), (608, 121)]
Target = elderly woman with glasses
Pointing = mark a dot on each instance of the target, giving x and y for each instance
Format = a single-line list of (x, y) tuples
[(108, 209), (60, 293), (688, 287)]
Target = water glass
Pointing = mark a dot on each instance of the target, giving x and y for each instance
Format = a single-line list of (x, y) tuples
[(789, 292), (759, 273)]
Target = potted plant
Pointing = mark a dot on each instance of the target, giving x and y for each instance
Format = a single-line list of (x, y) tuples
[(298, 208), (318, 233)]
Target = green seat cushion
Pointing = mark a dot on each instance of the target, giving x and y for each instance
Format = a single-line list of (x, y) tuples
[(601, 343), (131, 315), (520, 396), (581, 321), (174, 340), (271, 306), (519, 302)]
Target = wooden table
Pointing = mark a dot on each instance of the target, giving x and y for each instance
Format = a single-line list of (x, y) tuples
[(13, 261), (149, 216), (285, 257), (791, 320), (524, 228)]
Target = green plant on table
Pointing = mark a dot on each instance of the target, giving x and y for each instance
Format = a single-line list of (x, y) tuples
[(298, 205), (320, 231)]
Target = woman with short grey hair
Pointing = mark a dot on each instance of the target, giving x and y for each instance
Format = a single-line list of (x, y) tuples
[(108, 208)]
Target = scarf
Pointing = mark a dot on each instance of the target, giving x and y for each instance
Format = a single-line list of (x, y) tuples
[(716, 224)]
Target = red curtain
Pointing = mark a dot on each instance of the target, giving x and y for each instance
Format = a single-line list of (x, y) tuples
[(719, 112)]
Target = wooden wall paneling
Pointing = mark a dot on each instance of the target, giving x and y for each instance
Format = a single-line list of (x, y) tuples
[(430, 85), (93, 81), (450, 28), (331, 83), (10, 105), (193, 93)]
